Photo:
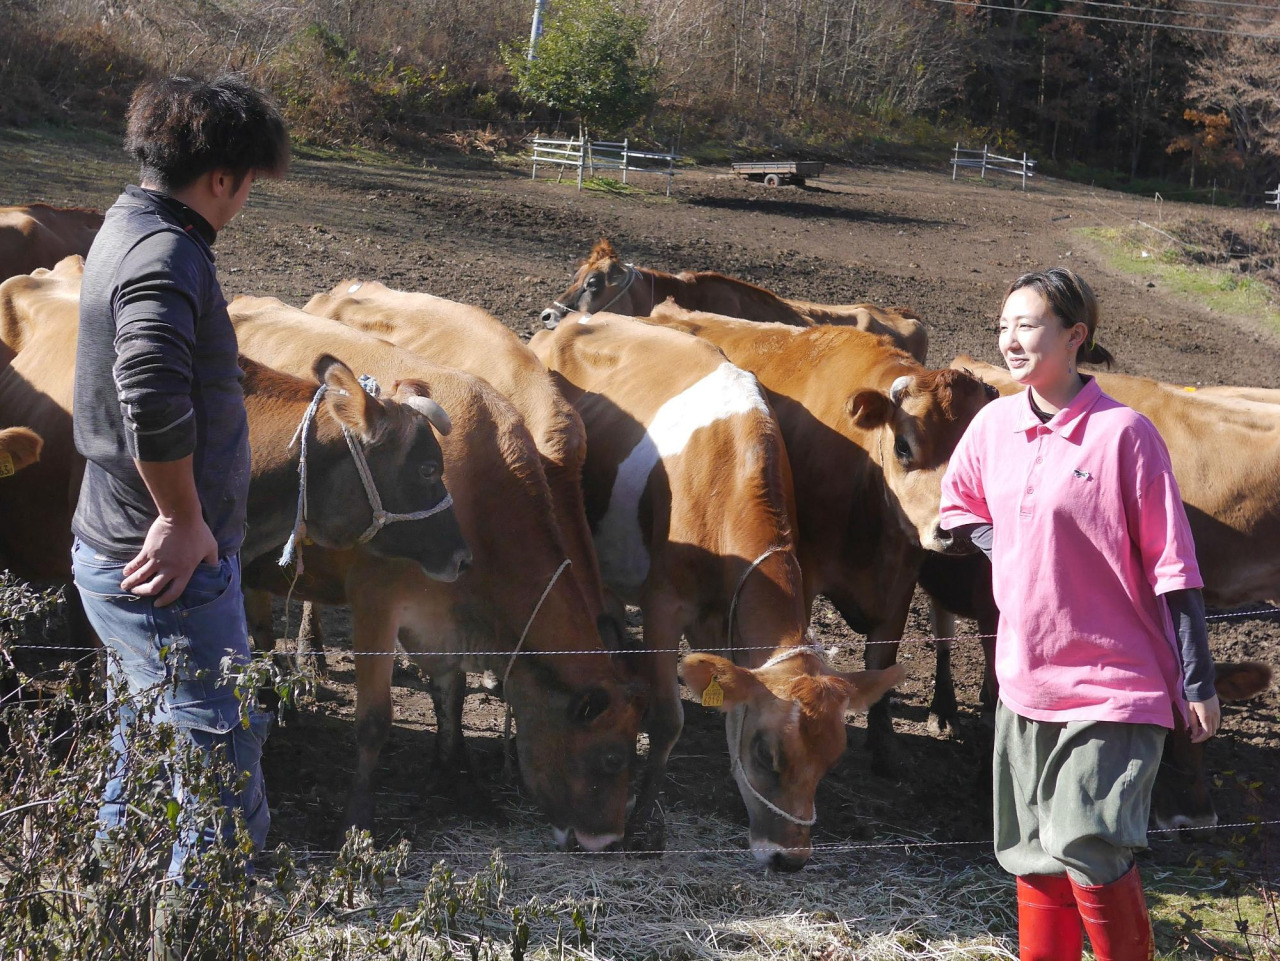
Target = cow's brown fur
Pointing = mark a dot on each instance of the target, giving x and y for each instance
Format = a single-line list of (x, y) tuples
[(863, 515), (39, 236), (576, 714), (600, 279), (705, 514)]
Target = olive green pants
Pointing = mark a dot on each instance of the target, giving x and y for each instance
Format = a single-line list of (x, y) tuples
[(1073, 797)]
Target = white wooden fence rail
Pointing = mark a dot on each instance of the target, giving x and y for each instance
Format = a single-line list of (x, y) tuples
[(984, 160), (602, 155), (1273, 198)]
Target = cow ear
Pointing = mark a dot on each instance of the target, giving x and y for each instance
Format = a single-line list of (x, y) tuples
[(346, 400), (867, 687), (736, 685), (19, 448), (870, 409), (1240, 681)]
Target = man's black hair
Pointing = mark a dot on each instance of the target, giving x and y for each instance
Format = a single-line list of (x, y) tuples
[(181, 127)]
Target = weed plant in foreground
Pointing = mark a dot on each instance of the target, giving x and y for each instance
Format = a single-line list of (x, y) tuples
[(60, 897)]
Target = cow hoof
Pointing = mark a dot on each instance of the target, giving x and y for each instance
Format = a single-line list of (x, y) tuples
[(941, 726)]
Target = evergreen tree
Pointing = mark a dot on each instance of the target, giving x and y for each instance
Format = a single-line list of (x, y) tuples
[(588, 64)]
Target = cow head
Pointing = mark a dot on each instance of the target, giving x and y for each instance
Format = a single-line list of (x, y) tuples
[(1180, 799), (917, 425), (602, 281), (785, 726), (577, 743), (405, 466)]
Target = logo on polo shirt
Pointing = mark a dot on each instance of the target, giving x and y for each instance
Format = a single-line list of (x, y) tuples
[(1082, 474)]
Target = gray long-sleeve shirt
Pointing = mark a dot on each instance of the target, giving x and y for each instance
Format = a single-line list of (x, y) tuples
[(157, 376)]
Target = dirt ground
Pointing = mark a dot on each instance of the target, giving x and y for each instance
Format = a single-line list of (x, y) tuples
[(486, 234)]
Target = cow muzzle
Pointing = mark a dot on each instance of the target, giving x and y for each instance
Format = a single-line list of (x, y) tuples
[(567, 839), (778, 858), (551, 318), (942, 541)]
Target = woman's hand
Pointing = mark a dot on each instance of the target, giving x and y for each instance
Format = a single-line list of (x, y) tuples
[(1206, 716)]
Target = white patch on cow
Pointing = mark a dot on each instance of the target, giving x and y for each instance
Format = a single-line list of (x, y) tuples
[(726, 391), (354, 287)]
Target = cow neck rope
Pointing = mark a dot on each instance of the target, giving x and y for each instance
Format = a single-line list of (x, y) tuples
[(506, 723), (812, 648), (381, 518), (632, 274)]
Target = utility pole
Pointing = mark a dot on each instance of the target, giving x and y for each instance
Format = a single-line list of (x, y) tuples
[(536, 31)]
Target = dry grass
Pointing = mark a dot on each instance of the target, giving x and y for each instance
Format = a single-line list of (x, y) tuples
[(876, 903)]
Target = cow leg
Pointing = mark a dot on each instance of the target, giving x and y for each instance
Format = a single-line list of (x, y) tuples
[(80, 633), (262, 626), (262, 632), (448, 690), (310, 644), (663, 722), (943, 708), (373, 637), (990, 686), (881, 652)]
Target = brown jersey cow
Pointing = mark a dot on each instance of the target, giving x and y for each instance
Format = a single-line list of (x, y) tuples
[(577, 715), (604, 283), (688, 492), (39, 236), (869, 432)]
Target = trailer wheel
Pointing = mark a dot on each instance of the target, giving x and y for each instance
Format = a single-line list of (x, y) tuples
[(772, 180)]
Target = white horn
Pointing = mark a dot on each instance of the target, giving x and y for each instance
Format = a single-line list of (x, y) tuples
[(432, 411), (899, 387)]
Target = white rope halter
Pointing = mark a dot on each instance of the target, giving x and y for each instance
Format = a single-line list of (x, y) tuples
[(812, 647), (381, 518), (632, 274), (511, 662)]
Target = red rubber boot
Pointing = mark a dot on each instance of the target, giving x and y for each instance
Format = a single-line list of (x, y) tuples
[(1048, 922), (1115, 915)]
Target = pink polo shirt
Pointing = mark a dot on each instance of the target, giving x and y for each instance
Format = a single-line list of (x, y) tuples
[(1088, 531)]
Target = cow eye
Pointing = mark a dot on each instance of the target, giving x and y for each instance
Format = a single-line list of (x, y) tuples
[(902, 447), (589, 706), (430, 473), (594, 283), (760, 753)]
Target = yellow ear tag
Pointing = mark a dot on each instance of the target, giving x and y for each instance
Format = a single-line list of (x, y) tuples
[(713, 696), (1189, 390), (6, 465)]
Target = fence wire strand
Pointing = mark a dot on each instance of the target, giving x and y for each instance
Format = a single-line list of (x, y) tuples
[(1265, 613)]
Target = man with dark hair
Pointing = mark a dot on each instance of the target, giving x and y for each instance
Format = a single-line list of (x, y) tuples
[(160, 419)]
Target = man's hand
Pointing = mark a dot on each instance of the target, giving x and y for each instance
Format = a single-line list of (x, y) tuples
[(1205, 718), (178, 538), (168, 558)]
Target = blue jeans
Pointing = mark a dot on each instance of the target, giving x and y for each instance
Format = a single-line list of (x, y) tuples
[(167, 661)]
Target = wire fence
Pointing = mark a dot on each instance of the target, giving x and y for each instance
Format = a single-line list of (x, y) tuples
[(1264, 613)]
